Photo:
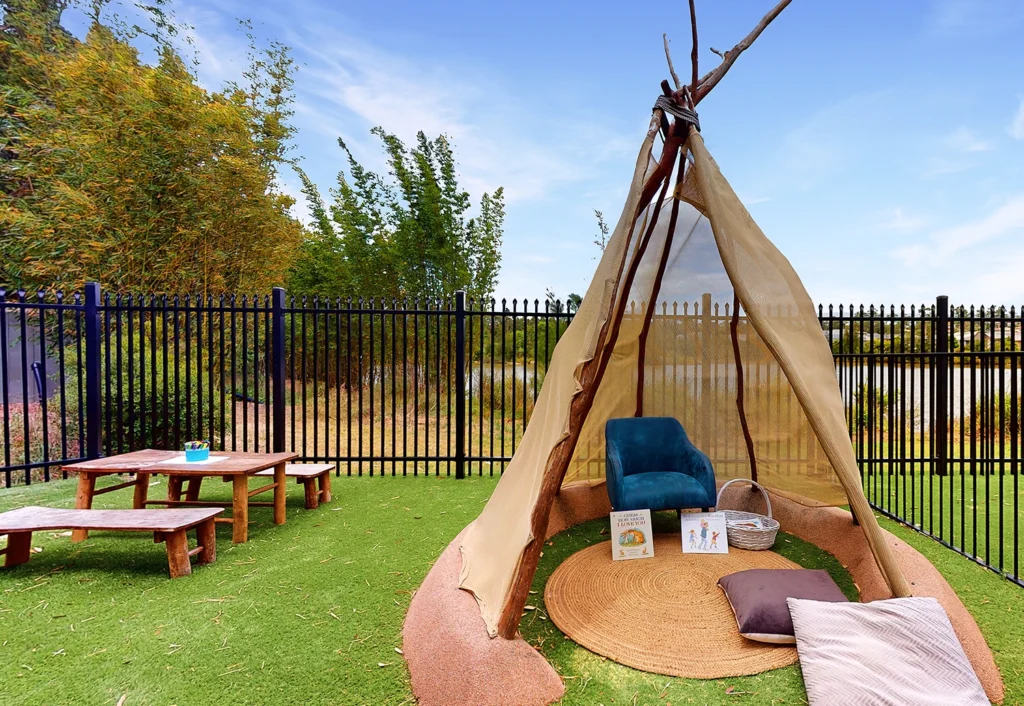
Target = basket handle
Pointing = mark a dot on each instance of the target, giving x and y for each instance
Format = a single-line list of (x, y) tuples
[(764, 493)]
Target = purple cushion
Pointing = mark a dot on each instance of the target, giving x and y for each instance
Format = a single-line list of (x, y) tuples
[(758, 599)]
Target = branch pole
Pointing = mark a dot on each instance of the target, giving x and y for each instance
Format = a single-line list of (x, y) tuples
[(693, 52), (712, 78), (671, 68)]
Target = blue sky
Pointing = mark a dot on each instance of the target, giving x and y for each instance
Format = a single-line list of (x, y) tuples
[(879, 144)]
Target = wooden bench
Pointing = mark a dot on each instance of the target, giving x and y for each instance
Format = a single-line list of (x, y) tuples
[(166, 525), (310, 475)]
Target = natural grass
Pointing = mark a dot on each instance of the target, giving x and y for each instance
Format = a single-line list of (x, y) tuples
[(323, 429), (384, 420), (308, 612)]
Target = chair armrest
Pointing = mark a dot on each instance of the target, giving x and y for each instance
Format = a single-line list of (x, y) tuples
[(705, 475), (614, 474), (696, 464)]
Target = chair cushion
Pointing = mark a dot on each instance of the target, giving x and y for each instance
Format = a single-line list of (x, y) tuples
[(900, 651), (758, 599), (660, 490)]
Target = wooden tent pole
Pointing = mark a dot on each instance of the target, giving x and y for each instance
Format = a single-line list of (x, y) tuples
[(655, 290), (733, 326), (590, 378), (711, 79)]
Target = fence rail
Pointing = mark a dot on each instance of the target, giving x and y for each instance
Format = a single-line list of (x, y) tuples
[(365, 384), (932, 394)]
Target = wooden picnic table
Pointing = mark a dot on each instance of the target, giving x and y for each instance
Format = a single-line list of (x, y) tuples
[(236, 467), (167, 526)]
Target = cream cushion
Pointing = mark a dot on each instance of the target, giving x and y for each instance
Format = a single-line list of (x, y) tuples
[(901, 651)]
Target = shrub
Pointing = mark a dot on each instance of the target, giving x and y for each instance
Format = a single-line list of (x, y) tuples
[(37, 450), (501, 396), (158, 401)]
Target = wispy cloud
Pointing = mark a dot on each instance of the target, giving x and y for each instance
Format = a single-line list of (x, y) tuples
[(820, 148), (1001, 282), (1016, 129), (963, 140), (1004, 220), (941, 166), (537, 259), (973, 17), (899, 220), (496, 139)]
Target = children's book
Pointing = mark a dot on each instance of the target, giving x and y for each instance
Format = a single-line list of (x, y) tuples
[(632, 537), (704, 533)]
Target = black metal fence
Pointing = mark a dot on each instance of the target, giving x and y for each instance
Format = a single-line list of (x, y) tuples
[(377, 387), (934, 406), (932, 393)]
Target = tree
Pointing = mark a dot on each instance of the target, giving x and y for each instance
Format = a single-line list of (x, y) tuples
[(407, 236), (404, 235), (134, 175), (553, 304), (601, 241)]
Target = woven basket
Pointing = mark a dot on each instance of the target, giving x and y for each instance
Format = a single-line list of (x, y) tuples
[(749, 537)]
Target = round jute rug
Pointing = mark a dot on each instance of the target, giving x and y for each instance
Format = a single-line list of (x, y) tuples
[(666, 614)]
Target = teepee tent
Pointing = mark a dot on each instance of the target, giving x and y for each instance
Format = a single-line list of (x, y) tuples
[(692, 313)]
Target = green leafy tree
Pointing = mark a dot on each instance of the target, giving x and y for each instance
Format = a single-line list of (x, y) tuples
[(407, 234), (601, 241), (132, 174)]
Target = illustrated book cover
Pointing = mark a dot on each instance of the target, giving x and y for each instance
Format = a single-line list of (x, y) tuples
[(704, 533), (632, 536)]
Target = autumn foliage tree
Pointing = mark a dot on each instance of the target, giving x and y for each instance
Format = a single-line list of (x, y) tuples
[(131, 174)]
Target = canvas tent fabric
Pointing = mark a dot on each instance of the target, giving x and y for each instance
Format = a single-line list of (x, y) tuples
[(692, 313)]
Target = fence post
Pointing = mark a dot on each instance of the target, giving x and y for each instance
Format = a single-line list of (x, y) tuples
[(277, 371), (93, 403), (706, 336), (460, 384), (941, 374)]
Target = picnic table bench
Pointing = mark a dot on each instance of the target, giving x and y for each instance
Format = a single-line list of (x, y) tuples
[(309, 475), (167, 526), (233, 466)]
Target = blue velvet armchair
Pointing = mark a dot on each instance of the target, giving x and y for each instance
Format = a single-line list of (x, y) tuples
[(652, 464)]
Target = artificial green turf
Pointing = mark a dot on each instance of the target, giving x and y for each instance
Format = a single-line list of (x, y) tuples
[(308, 612), (970, 512), (591, 679), (996, 604)]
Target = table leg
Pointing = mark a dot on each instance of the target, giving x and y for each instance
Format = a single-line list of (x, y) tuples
[(279, 494), (19, 548), (206, 535), (141, 490), (312, 500), (177, 554), (174, 487), (240, 509), (83, 500), (325, 487), (192, 491)]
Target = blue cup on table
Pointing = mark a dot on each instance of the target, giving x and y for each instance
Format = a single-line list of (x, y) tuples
[(197, 451)]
